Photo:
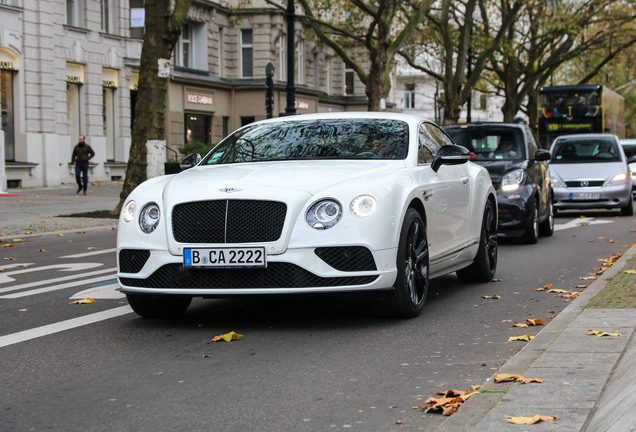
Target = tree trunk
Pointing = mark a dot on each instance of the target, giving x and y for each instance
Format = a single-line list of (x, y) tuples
[(162, 30)]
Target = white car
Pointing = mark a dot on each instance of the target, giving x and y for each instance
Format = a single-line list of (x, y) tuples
[(319, 203)]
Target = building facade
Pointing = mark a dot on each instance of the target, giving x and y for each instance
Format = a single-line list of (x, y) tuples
[(71, 67)]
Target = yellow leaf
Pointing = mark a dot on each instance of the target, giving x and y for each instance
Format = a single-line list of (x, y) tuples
[(18, 240), (41, 250), (505, 377), (83, 301), (524, 338), (630, 271), (492, 297), (581, 286), (589, 277), (572, 294), (600, 333), (559, 291), (59, 235), (8, 245), (544, 287), (520, 325), (91, 248), (9, 258), (534, 322), (227, 337), (524, 380), (531, 420), (28, 232), (22, 310)]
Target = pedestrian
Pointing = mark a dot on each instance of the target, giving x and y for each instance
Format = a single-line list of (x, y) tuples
[(82, 153)]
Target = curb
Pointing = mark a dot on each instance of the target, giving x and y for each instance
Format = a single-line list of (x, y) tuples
[(478, 407)]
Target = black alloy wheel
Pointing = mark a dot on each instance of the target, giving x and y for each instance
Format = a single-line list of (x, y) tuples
[(485, 263), (546, 228), (531, 236)]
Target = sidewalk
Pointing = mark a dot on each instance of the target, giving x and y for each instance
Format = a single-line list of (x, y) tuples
[(589, 381), (38, 210)]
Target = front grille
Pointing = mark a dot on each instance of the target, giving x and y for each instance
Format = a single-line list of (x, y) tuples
[(228, 221), (580, 183), (276, 275), (132, 260), (351, 258)]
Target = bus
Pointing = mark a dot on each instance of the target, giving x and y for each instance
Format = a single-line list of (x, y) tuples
[(583, 108)]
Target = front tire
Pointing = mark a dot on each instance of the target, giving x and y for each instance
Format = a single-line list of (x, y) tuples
[(546, 228), (628, 210), (531, 236), (158, 305), (485, 264), (408, 296)]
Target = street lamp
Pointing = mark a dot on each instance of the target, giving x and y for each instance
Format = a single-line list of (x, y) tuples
[(291, 88)]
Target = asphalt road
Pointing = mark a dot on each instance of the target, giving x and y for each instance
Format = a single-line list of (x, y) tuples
[(304, 363)]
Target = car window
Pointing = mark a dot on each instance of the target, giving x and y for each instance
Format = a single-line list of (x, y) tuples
[(583, 150), (630, 150), (532, 142), (428, 146), (314, 139), (490, 142)]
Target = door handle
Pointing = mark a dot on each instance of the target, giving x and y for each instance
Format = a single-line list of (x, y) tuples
[(427, 195)]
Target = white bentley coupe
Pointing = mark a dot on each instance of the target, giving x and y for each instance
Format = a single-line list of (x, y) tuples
[(321, 203)]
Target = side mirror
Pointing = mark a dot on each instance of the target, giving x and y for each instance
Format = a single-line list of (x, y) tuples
[(450, 155), (631, 159), (190, 160), (542, 155)]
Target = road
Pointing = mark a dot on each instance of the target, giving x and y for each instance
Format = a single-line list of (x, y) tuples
[(303, 363)]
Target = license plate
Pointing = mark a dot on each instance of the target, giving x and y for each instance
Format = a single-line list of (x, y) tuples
[(585, 196), (225, 257)]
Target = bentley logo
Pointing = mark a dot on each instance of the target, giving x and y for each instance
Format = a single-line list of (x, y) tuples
[(230, 190), (585, 183)]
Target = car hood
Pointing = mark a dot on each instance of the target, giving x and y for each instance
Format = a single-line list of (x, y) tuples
[(498, 169), (598, 170), (300, 176)]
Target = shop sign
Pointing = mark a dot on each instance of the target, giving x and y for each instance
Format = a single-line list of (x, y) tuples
[(109, 78), (197, 99), (301, 104), (7, 65)]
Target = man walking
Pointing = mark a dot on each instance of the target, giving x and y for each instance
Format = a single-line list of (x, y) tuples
[(82, 153)]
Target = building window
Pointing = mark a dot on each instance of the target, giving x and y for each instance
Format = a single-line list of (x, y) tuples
[(349, 82), (483, 101), (221, 48), (75, 13), (191, 51), (281, 54), (409, 96), (226, 126), (184, 51), (299, 63), (198, 128), (108, 115), (7, 116), (109, 16), (137, 19), (73, 111), (247, 63)]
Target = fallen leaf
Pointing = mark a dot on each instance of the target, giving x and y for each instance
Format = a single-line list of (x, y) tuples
[(59, 235), (524, 380), (558, 291), (227, 337), (523, 338), (612, 241), (399, 422), (41, 250), (531, 420), (9, 258), (535, 322), (83, 301), (511, 377), (506, 321), (28, 232), (492, 297), (8, 245), (520, 325), (581, 286), (600, 333), (18, 240), (112, 228), (630, 271), (22, 310), (544, 287), (80, 232), (495, 280), (91, 248), (571, 294), (589, 277)]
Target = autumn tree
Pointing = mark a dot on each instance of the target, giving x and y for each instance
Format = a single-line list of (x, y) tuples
[(366, 35), (544, 37), (163, 22), (449, 35)]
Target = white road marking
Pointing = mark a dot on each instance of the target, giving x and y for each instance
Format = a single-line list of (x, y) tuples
[(57, 287), (580, 222), (6, 276), (62, 326), (100, 292), (82, 255), (55, 280), (8, 266)]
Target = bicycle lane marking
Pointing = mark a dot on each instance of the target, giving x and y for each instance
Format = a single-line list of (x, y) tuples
[(49, 329)]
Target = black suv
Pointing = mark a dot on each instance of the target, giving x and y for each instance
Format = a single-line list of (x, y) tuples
[(518, 168)]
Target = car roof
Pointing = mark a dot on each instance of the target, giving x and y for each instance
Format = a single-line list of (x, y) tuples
[(588, 135), (475, 124), (628, 141), (375, 115)]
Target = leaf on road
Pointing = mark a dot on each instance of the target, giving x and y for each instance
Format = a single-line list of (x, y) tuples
[(558, 291), (59, 235), (492, 297), (18, 240), (80, 232), (581, 286), (449, 403), (22, 310), (523, 338), (594, 277), (41, 250), (227, 337), (495, 280), (91, 248), (630, 271), (28, 233), (600, 333), (83, 301), (544, 287), (511, 377), (9, 258), (571, 294), (535, 321), (520, 325), (8, 245), (531, 420)]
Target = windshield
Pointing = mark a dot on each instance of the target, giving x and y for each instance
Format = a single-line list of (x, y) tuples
[(313, 139), (583, 150), (570, 103), (490, 143)]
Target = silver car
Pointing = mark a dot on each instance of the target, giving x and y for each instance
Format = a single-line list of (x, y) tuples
[(590, 171), (629, 147)]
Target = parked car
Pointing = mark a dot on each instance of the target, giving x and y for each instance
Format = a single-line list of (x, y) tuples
[(519, 171), (322, 203), (629, 147), (590, 171)]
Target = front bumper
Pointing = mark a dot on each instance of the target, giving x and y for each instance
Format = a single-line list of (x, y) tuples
[(610, 197), (514, 212)]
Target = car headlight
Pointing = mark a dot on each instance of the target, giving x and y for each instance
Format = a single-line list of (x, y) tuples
[(618, 179), (556, 182), (363, 206), (129, 211), (512, 181), (149, 218), (324, 214)]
